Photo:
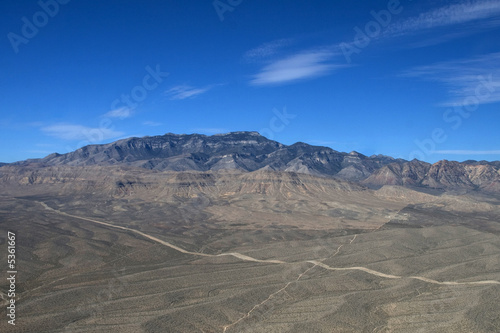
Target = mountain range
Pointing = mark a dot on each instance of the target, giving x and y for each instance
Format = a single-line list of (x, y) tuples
[(157, 233), (250, 151)]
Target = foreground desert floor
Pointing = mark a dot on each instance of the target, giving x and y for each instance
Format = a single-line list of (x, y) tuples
[(250, 261)]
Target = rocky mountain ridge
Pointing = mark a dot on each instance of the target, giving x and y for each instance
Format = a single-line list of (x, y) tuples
[(250, 151)]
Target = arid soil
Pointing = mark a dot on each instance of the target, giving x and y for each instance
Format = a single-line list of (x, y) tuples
[(106, 250)]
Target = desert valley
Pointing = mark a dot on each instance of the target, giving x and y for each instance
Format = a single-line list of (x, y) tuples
[(239, 233)]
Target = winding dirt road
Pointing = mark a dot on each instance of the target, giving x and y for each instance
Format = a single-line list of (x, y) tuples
[(271, 261), (233, 254)]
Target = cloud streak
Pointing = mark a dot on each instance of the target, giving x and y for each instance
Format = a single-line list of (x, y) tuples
[(477, 78), (466, 18), (266, 50), (452, 15), (185, 91), (121, 113), (296, 67), (438, 25)]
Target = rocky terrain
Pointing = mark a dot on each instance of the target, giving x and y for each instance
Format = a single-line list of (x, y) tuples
[(249, 151), (238, 233)]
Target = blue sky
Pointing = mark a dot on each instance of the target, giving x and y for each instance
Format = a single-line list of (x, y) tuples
[(410, 79)]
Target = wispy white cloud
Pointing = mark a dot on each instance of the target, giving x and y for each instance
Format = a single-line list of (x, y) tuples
[(476, 79), (295, 67), (451, 15), (440, 25), (79, 132), (185, 91), (266, 50), (441, 38), (151, 123), (121, 113), (468, 152)]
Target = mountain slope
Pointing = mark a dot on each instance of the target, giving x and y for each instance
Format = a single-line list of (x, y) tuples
[(443, 174), (249, 151), (245, 151)]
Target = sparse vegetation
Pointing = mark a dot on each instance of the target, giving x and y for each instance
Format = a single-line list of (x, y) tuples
[(80, 276)]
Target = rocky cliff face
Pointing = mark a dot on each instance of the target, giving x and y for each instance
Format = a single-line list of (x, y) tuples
[(249, 151), (245, 151), (443, 174)]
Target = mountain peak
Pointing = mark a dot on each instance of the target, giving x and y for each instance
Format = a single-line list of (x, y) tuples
[(355, 153), (250, 133), (250, 151)]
